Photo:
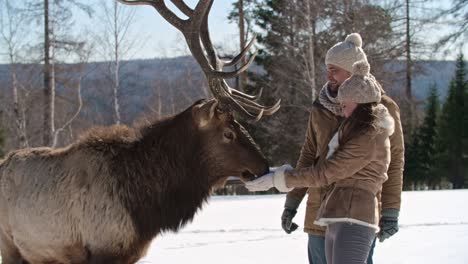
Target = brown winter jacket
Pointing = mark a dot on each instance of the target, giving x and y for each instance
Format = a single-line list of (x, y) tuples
[(322, 125), (356, 171)]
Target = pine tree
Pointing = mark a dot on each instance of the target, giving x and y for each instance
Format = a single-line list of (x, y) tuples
[(413, 171), (293, 44), (465, 131), (451, 128), (427, 134), (282, 58)]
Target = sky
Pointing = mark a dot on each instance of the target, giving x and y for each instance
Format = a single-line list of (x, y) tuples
[(160, 39), (164, 40)]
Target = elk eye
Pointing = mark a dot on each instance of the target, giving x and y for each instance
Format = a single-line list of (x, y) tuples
[(229, 135)]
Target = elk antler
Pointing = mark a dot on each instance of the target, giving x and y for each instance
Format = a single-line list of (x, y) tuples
[(196, 33)]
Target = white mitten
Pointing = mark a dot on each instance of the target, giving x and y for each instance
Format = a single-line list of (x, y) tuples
[(279, 180), (263, 183)]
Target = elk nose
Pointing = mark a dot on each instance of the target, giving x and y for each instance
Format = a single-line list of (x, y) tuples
[(266, 168)]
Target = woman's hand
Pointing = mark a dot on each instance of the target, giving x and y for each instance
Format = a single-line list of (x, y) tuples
[(263, 183), (272, 179)]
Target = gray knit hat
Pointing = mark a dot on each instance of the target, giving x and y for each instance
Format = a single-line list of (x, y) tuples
[(361, 87), (345, 54)]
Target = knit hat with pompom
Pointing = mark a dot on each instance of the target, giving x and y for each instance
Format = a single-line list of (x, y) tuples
[(345, 54), (361, 87)]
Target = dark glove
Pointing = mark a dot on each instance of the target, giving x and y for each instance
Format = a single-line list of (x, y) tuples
[(388, 223), (286, 220)]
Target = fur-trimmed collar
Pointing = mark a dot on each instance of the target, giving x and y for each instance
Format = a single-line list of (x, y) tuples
[(384, 121)]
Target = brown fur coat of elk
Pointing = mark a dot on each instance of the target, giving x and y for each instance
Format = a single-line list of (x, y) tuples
[(104, 198)]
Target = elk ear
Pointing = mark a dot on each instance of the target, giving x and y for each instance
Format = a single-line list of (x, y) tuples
[(205, 112)]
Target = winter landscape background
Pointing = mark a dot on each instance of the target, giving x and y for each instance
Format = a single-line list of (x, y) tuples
[(157, 77)]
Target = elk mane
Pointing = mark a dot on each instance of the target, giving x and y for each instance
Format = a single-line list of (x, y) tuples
[(148, 159)]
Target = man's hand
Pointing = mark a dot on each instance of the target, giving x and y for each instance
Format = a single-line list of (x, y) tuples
[(388, 223), (286, 220)]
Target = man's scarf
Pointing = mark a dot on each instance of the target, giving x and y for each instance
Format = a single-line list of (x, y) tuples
[(329, 102)]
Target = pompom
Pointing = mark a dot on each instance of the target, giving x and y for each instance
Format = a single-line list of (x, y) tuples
[(354, 38), (361, 68)]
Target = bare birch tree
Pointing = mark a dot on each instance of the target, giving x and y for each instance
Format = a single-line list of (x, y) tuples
[(455, 19), (56, 18), (12, 33), (242, 14), (116, 41), (79, 72), (411, 45), (242, 76)]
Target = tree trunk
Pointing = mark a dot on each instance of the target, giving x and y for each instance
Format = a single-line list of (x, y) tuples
[(47, 128), (20, 118), (159, 102), (242, 76), (116, 67), (311, 18), (458, 179), (75, 115), (409, 65), (52, 93)]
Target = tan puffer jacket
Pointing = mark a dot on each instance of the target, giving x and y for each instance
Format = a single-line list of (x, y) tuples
[(321, 127)]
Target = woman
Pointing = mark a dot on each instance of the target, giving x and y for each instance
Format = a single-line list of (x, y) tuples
[(357, 162)]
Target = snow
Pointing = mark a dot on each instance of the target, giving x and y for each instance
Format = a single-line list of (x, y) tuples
[(246, 229)]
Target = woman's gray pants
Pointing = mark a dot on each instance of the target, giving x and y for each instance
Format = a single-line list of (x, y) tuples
[(348, 243)]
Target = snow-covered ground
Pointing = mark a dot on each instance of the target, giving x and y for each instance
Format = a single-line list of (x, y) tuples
[(246, 230)]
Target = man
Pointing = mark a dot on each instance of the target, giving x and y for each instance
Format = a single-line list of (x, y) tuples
[(325, 117)]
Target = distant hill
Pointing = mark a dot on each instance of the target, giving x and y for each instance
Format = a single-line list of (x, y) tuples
[(427, 73), (177, 82)]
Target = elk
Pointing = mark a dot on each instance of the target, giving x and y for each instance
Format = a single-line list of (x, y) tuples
[(104, 198)]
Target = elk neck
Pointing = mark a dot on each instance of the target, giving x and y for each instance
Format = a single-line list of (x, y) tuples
[(169, 182)]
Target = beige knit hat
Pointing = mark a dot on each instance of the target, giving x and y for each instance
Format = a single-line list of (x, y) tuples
[(345, 54), (361, 87)]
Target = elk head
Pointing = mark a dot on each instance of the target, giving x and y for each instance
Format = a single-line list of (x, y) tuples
[(226, 140), (227, 148)]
